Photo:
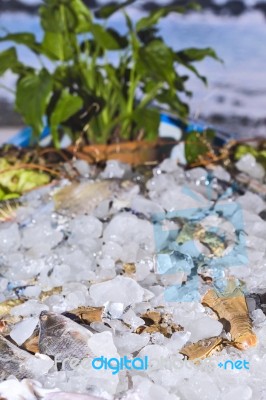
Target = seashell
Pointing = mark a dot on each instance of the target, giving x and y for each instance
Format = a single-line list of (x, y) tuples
[(82, 197), (158, 322), (129, 269), (232, 310), (203, 348), (88, 314), (45, 294), (32, 343), (6, 306)]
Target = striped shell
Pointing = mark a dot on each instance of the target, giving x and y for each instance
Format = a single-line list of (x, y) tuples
[(233, 311)]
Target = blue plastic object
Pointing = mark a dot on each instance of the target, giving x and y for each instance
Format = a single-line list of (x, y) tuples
[(23, 138)]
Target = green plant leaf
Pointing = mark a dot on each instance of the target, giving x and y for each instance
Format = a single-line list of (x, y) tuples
[(91, 47), (52, 18), (149, 120), (193, 54), (171, 100), (57, 46), (67, 105), (157, 60), (8, 60), (33, 93), (148, 35), (82, 90), (195, 71), (121, 40), (105, 37), (58, 17), (27, 39), (196, 144), (244, 149), (83, 16), (155, 16), (109, 9)]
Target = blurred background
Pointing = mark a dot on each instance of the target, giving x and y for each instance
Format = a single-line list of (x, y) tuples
[(235, 98)]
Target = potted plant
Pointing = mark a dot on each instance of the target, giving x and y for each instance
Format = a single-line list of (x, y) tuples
[(110, 107)]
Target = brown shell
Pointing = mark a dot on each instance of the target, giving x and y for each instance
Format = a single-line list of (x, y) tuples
[(129, 269), (158, 322), (32, 343), (7, 322), (203, 348), (232, 310), (47, 293), (6, 306), (82, 198), (88, 314)]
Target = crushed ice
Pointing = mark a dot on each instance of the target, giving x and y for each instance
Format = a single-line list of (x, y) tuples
[(60, 257)]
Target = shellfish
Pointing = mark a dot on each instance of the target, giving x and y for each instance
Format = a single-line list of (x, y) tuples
[(203, 348), (232, 310), (158, 322)]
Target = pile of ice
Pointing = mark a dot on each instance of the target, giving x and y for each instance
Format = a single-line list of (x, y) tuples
[(86, 254)]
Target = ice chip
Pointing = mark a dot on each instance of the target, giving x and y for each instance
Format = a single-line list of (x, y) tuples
[(115, 169), (242, 392), (41, 238), (85, 225), (82, 167), (168, 165), (9, 237), (102, 344), (30, 307), (220, 173), (249, 165), (128, 343), (174, 261), (23, 330), (118, 290), (204, 328)]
